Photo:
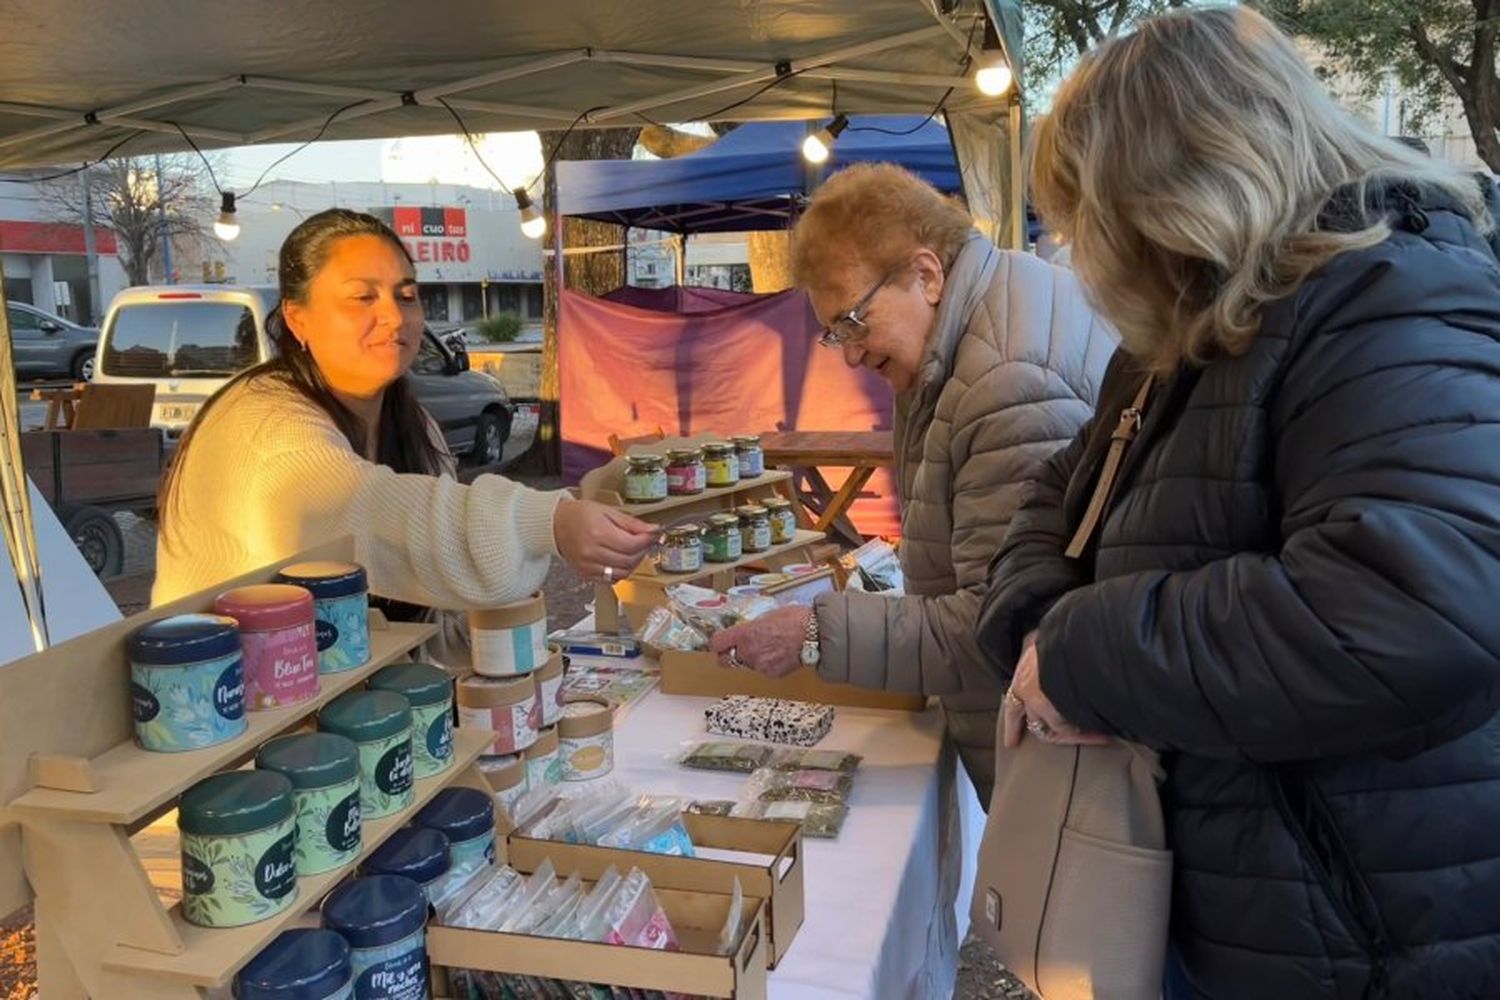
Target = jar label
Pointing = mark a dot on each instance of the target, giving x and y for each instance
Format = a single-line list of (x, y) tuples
[(549, 697), (342, 827), (403, 977), (143, 703), (197, 877), (281, 666), (514, 725), (229, 692), (276, 872), (722, 471), (328, 635), (393, 773), (646, 486), (440, 736), (587, 757)]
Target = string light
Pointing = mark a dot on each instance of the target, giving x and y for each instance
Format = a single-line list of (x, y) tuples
[(227, 227), (815, 148), (532, 222), (994, 76)]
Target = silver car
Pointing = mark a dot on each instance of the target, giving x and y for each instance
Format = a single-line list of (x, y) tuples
[(44, 344)]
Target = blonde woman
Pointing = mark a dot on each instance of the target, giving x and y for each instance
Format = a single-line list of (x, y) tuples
[(1292, 591)]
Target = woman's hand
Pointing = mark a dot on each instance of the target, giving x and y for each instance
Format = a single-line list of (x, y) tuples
[(1027, 710), (771, 644), (600, 542)]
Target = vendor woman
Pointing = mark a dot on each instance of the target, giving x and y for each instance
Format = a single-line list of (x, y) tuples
[(327, 440)]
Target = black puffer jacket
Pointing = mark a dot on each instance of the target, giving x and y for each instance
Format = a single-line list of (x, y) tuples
[(1296, 596)]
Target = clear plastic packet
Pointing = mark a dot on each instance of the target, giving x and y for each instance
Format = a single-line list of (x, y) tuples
[(485, 906), (709, 611), (535, 909), (457, 889), (769, 785), (563, 922), (537, 885), (801, 759), (636, 918), (531, 805), (597, 826), (711, 807), (730, 932), (655, 827), (819, 819), (666, 630), (594, 911), (724, 755)]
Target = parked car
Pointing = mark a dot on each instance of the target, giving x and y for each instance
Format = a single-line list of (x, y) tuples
[(190, 339), (44, 344)]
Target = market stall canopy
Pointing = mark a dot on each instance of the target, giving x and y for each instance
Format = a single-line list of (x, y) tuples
[(753, 178), (81, 79)]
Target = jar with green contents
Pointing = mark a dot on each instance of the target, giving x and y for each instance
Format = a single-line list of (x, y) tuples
[(783, 521), (755, 527), (429, 689), (324, 771), (239, 838), (722, 542), (685, 473), (379, 723), (645, 478), (721, 464), (682, 551)]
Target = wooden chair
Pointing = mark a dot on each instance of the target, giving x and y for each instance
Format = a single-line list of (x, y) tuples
[(619, 446)]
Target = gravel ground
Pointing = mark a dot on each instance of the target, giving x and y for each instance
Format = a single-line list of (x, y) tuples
[(980, 976)]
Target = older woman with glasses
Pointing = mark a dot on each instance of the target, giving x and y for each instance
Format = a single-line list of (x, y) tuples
[(996, 360)]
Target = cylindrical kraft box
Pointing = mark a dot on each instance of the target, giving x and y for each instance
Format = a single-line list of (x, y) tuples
[(279, 642), (586, 739), (506, 705), (430, 691), (510, 639), (239, 837), (379, 722), (549, 690), (543, 760), (507, 778), (342, 601), (324, 771)]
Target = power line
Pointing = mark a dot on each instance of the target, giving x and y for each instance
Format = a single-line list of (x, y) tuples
[(300, 148), (76, 170)]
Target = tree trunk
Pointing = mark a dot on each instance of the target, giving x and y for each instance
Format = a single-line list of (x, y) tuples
[(770, 260)]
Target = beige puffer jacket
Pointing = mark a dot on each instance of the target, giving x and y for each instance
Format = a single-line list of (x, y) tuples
[(1005, 383)]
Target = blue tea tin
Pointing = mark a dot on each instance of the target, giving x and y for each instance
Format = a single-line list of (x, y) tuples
[(419, 854), (187, 683), (300, 964), (384, 919), (466, 816), (341, 605)]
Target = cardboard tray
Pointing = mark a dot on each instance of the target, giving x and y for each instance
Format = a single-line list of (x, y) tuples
[(700, 674), (696, 969), (775, 872)]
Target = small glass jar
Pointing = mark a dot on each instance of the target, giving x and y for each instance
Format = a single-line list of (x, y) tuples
[(783, 521), (721, 463), (722, 542), (645, 478), (682, 552), (686, 474), (755, 527), (751, 458)]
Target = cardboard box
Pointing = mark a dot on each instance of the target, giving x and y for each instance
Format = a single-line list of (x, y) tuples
[(700, 674), (772, 869), (697, 918)]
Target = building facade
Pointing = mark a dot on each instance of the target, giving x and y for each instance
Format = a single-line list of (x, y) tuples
[(43, 259)]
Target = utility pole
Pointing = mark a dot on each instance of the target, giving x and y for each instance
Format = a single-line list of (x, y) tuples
[(90, 252), (166, 233)]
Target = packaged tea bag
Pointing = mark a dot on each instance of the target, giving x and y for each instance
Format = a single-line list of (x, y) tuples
[(723, 755)]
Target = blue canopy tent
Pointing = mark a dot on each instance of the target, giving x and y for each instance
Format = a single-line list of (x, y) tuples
[(752, 178)]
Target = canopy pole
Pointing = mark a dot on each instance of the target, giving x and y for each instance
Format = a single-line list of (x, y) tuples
[(682, 239), (20, 531)]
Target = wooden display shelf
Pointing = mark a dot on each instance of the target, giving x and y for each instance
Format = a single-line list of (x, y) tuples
[(651, 574), (212, 955), (708, 498), (133, 783)]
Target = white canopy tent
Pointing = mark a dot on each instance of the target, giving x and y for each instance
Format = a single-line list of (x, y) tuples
[(82, 80)]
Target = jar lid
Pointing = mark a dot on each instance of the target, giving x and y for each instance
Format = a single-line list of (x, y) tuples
[(644, 459), (503, 772), (718, 447), (461, 813), (419, 853), (300, 964), (685, 454), (267, 606), (421, 683), (752, 510), (545, 745), (366, 715), (376, 910), (584, 717), (235, 802), (185, 639), (311, 760), (487, 692), (777, 503), (327, 580), (748, 440), (685, 532), (724, 521)]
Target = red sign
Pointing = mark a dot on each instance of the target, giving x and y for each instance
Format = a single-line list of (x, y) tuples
[(53, 237)]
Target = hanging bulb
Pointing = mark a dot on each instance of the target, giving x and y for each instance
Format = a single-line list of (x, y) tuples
[(815, 148), (533, 224), (994, 76), (227, 227)]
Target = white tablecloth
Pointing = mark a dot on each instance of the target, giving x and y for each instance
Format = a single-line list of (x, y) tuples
[(887, 901)]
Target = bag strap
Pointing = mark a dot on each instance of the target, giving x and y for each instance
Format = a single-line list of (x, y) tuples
[(1124, 433)]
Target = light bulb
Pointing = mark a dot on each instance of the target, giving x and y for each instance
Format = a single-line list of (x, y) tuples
[(994, 76), (533, 224), (816, 147), (227, 227)]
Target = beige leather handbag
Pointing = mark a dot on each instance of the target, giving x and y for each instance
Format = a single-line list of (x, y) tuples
[(1074, 885)]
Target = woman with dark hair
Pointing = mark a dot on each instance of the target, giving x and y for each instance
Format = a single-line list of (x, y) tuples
[(326, 440)]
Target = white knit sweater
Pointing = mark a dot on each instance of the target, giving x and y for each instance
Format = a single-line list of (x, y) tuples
[(269, 474)]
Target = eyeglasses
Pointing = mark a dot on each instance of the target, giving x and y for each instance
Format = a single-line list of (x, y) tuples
[(850, 326)]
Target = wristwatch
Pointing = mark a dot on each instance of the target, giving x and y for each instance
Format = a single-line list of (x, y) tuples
[(811, 652)]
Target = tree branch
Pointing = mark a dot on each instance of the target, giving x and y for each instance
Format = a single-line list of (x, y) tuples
[(1453, 71)]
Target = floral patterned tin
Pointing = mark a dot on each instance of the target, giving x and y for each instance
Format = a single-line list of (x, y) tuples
[(239, 838), (278, 640), (342, 602), (429, 689), (324, 771), (379, 722), (187, 683)]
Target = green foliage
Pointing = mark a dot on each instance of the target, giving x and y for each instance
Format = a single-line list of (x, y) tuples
[(500, 327), (1059, 31)]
